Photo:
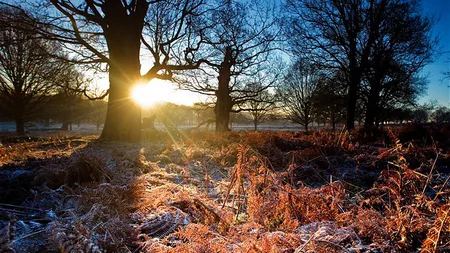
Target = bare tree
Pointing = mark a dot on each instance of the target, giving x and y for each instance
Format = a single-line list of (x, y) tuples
[(68, 103), (28, 74), (404, 47), (339, 34), (330, 100), (441, 115), (112, 33), (241, 39), (298, 90), (260, 106)]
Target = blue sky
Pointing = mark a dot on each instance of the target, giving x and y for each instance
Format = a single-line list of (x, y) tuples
[(438, 89)]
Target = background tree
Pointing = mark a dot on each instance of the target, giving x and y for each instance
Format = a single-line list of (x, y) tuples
[(399, 115), (339, 35), (113, 33), (204, 114), (297, 92), (28, 74), (240, 41), (330, 100), (260, 106), (441, 115), (397, 57), (346, 35), (172, 115), (420, 115), (97, 112), (67, 104)]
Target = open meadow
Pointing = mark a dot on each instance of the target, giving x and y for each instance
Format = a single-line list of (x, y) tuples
[(319, 191)]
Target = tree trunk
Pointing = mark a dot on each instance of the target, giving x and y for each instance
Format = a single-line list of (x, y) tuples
[(20, 125), (255, 123), (65, 126), (19, 110), (123, 116), (66, 120), (372, 107), (355, 79), (223, 104)]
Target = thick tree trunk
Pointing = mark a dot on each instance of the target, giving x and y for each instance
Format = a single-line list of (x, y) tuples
[(354, 78), (255, 123), (223, 103), (123, 116), (222, 113)]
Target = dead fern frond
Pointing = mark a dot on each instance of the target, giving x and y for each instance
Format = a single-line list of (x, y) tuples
[(438, 236), (74, 239), (163, 223), (8, 234), (71, 243)]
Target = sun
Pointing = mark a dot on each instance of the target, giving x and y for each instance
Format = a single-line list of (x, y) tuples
[(160, 91), (154, 92)]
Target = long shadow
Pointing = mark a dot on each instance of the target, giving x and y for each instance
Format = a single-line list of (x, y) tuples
[(48, 181)]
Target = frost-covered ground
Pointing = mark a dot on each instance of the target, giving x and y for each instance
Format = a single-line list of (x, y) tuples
[(10, 127), (234, 192)]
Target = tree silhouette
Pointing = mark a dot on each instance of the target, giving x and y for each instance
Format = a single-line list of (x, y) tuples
[(68, 104), (397, 57), (28, 74), (112, 33), (242, 37), (298, 90), (330, 100), (261, 105), (343, 34)]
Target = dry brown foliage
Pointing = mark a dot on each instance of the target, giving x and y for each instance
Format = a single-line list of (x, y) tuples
[(322, 191)]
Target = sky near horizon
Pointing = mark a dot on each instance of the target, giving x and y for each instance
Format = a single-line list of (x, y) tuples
[(438, 87)]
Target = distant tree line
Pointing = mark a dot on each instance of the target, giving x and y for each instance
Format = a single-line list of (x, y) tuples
[(368, 54), (36, 84)]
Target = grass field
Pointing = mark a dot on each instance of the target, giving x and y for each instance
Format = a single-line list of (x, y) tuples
[(268, 191)]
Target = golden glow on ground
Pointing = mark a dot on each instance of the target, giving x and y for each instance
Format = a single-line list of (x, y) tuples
[(159, 91)]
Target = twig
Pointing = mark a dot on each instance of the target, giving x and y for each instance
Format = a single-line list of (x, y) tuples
[(442, 187), (298, 250), (430, 175), (23, 207), (29, 235)]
